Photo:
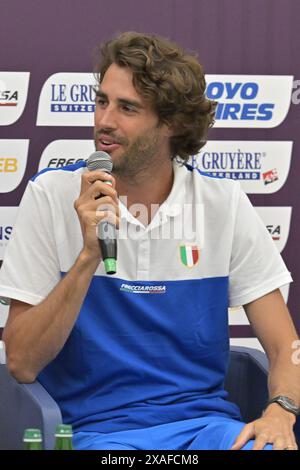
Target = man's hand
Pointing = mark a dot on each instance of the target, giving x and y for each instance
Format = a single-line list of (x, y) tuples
[(274, 427), (92, 209)]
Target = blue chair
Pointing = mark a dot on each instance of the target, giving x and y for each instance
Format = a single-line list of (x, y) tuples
[(25, 406), (29, 405)]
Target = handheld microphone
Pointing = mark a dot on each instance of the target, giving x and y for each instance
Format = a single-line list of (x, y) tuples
[(105, 230)]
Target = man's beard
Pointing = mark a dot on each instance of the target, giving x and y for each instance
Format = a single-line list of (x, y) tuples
[(138, 156)]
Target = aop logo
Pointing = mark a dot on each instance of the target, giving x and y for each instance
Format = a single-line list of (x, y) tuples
[(13, 96), (250, 101), (67, 99)]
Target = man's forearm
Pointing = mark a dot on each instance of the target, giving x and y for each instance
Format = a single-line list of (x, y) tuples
[(284, 376), (37, 335), (273, 325)]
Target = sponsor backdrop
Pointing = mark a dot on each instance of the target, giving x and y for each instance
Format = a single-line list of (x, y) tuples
[(250, 53)]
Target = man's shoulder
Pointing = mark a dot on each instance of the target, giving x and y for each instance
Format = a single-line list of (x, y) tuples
[(212, 184), (57, 177)]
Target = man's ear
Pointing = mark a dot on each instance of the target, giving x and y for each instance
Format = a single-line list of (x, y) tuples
[(169, 130)]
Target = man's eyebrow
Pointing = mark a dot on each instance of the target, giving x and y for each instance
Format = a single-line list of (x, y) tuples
[(136, 104), (100, 93)]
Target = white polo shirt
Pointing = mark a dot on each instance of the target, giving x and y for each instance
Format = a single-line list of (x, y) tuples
[(212, 215), (150, 344)]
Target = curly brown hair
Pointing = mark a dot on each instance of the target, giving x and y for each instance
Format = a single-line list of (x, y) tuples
[(171, 80)]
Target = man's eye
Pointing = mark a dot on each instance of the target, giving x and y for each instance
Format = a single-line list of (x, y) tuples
[(101, 101), (128, 108)]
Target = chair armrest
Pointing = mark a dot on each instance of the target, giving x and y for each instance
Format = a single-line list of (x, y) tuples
[(247, 381), (25, 406), (255, 355)]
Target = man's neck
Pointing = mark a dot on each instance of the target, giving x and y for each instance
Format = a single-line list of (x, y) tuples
[(148, 188)]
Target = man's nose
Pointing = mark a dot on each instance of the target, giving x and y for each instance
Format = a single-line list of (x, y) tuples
[(106, 118)]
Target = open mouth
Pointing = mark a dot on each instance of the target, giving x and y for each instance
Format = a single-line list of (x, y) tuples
[(106, 142), (108, 145)]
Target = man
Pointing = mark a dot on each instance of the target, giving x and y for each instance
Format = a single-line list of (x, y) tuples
[(131, 370)]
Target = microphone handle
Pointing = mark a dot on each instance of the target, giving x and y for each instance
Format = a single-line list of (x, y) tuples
[(107, 239), (108, 243)]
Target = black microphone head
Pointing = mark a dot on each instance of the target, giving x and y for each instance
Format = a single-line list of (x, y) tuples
[(99, 161)]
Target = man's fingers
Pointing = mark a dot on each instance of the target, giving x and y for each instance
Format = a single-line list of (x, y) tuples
[(104, 203), (107, 203), (260, 442), (90, 177), (100, 188), (268, 430), (245, 435), (107, 216), (279, 443), (285, 441)]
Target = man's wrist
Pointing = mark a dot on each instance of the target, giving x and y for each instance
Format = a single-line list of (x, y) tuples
[(274, 409), (87, 260), (286, 403)]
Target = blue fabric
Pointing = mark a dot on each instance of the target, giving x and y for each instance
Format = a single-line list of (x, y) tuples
[(203, 173), (139, 360), (73, 167), (193, 434)]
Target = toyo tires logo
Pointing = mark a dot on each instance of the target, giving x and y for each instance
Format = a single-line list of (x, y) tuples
[(249, 100)]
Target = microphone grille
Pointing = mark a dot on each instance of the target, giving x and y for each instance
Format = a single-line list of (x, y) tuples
[(99, 161)]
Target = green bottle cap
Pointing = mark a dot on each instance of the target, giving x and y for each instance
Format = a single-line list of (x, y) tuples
[(32, 435), (64, 430), (110, 266)]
